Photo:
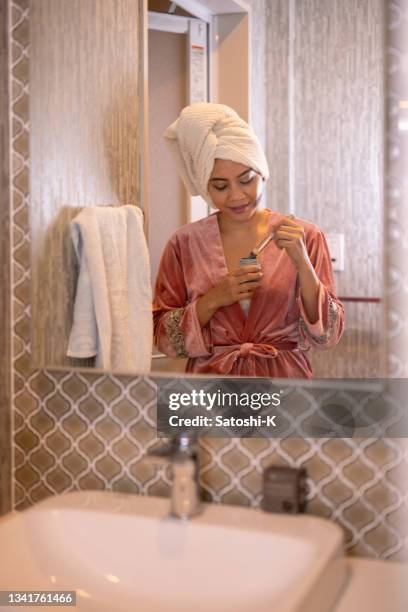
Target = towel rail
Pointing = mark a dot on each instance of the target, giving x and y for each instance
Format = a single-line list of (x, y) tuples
[(369, 300)]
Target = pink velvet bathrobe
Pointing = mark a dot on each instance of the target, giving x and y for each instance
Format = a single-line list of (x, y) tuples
[(271, 341)]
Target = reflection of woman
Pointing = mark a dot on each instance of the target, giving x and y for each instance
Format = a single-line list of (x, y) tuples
[(253, 320)]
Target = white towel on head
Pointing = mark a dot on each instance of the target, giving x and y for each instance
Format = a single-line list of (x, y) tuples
[(204, 132), (112, 311)]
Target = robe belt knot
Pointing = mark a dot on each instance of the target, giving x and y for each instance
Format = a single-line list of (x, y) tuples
[(245, 349), (258, 349), (225, 356), (254, 348)]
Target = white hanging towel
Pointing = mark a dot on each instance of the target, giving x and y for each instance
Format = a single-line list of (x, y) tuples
[(113, 302)]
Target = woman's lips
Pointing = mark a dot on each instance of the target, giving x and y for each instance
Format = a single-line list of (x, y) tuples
[(240, 209)]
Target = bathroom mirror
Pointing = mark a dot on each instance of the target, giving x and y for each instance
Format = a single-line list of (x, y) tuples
[(107, 78)]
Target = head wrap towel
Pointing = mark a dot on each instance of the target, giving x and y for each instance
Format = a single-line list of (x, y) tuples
[(204, 132)]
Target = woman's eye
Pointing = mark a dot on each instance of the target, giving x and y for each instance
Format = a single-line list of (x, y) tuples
[(247, 181), (243, 181)]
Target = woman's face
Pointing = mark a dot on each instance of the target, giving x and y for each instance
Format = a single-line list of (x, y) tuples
[(234, 189)]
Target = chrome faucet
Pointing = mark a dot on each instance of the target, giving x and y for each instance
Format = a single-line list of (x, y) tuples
[(182, 454)]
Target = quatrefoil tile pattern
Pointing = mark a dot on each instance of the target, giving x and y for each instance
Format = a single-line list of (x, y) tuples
[(75, 430)]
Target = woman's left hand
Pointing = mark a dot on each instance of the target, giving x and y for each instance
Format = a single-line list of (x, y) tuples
[(290, 235)]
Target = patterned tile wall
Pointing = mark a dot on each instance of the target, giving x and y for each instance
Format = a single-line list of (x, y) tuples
[(5, 366), (74, 430)]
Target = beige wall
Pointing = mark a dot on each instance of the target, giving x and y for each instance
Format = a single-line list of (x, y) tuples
[(75, 430), (325, 138), (83, 145)]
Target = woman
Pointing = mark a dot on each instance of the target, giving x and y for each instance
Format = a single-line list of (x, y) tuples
[(230, 319)]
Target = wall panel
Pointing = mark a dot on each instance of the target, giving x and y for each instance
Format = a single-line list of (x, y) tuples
[(83, 145), (325, 141)]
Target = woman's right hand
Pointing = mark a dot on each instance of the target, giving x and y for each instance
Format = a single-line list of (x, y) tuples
[(237, 285)]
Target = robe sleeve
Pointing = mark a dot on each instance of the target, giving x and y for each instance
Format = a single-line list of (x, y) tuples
[(328, 329), (177, 330)]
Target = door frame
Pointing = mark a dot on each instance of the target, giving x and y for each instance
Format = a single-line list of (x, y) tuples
[(228, 57)]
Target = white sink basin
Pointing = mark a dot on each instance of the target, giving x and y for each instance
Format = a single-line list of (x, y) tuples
[(123, 553)]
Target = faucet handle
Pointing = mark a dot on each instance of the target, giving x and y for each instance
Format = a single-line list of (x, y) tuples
[(185, 445), (179, 447)]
